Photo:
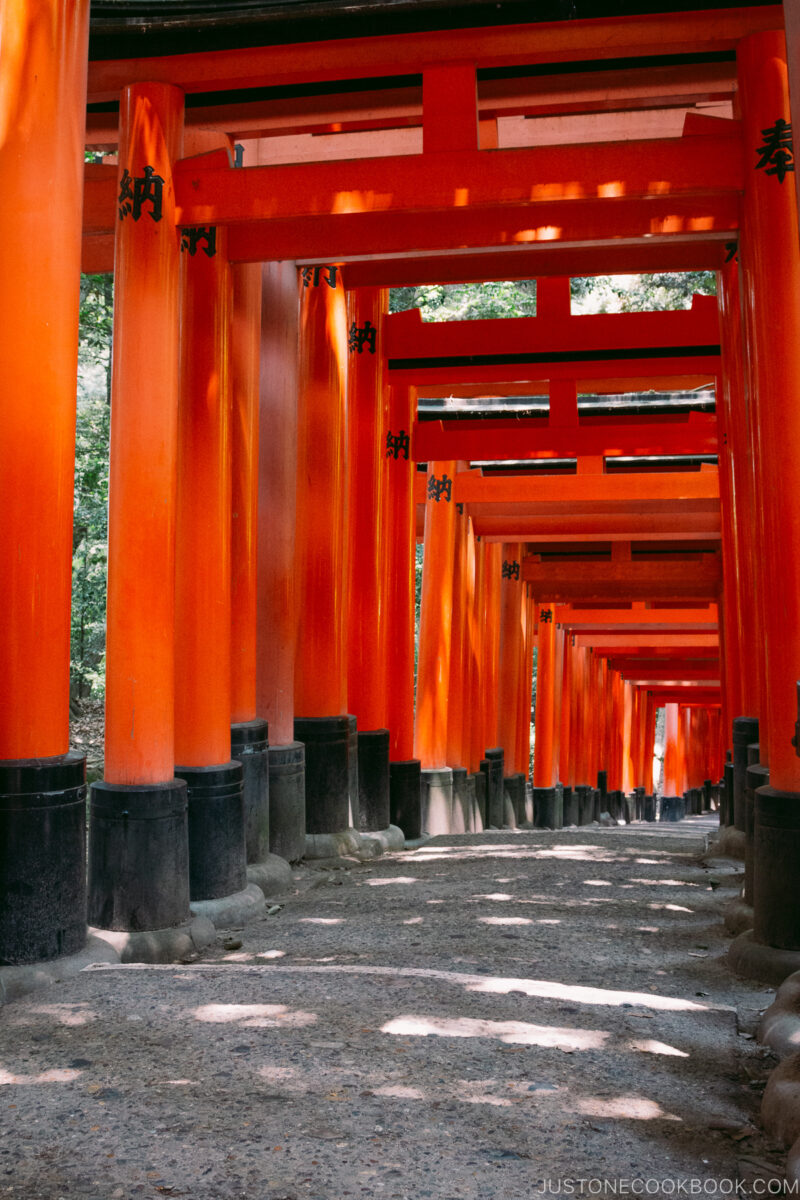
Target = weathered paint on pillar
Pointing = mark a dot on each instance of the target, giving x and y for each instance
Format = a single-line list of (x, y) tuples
[(245, 348), (140, 652), (401, 570), (366, 523), (545, 756), (433, 670), (320, 686), (203, 527), (42, 104), (770, 262), (277, 484)]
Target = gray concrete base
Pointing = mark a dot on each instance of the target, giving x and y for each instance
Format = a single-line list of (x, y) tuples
[(415, 843), (391, 838), (780, 1024), (272, 875), (159, 945), (350, 843), (731, 843), (765, 963), (738, 916), (236, 909), (780, 1107), (16, 981)]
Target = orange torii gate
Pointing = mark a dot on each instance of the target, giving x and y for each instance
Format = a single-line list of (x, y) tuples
[(455, 203)]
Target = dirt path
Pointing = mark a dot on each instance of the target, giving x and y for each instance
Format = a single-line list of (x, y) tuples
[(489, 1015)]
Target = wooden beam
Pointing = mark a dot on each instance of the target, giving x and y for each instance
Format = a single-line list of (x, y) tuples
[(498, 46), (588, 580), (444, 180), (490, 438)]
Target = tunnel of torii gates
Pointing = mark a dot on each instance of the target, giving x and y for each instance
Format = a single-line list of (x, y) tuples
[(619, 491)]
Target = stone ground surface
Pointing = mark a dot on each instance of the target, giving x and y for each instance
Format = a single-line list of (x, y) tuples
[(484, 1016)]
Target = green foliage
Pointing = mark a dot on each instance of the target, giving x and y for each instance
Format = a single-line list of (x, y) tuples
[(640, 293), (467, 301), (90, 527)]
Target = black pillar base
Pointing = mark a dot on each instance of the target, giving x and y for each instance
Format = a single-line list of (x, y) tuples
[(250, 746), (354, 820), (481, 788), (515, 796), (42, 857), (405, 798), (373, 780), (638, 804), (437, 799), (572, 806), (138, 856), (672, 808), (756, 776), (287, 800), (584, 796), (546, 813), (726, 795), (492, 766), (648, 808), (461, 802), (327, 743), (707, 795), (217, 861), (776, 869), (745, 733)]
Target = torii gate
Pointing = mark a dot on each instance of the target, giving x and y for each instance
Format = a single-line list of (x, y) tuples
[(464, 204)]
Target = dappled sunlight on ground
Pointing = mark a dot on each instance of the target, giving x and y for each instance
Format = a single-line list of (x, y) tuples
[(254, 1016), (629, 1108), (514, 1032)]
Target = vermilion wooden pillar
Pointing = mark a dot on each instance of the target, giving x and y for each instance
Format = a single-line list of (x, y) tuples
[(217, 859), (770, 264), (491, 638), (511, 647), (545, 754), (628, 739), (433, 671), (523, 763), (249, 733), (245, 363), (457, 699), (470, 648), (42, 103), (401, 547), (435, 632), (366, 545), (321, 720), (140, 623), (742, 601), (139, 869), (649, 744), (566, 761), (276, 605), (477, 738), (672, 760)]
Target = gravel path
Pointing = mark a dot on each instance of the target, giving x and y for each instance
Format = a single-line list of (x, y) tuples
[(485, 1016)]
